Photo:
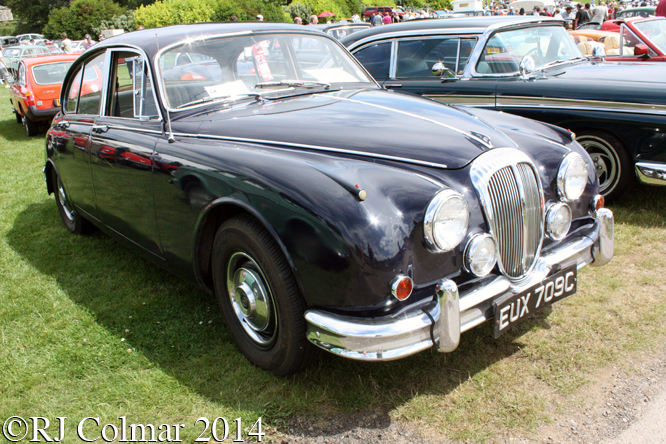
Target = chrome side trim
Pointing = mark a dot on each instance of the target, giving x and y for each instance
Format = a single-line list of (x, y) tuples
[(651, 173), (314, 148), (467, 100), (587, 105)]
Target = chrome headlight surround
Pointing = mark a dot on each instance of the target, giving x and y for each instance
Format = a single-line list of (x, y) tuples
[(572, 177), (481, 255), (446, 221), (558, 221)]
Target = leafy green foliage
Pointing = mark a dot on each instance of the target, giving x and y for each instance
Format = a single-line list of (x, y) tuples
[(248, 10), (32, 15), (81, 18), (124, 21), (173, 12)]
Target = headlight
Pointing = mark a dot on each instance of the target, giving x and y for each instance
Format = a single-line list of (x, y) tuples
[(558, 220), (446, 220), (481, 255), (572, 177)]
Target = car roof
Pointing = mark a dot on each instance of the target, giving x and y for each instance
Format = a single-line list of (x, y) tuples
[(32, 61), (478, 24), (153, 39)]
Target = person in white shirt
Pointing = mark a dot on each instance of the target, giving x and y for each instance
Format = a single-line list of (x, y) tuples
[(600, 13)]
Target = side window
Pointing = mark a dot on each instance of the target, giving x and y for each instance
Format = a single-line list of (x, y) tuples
[(91, 87), (72, 96), (376, 59), (417, 57), (132, 92)]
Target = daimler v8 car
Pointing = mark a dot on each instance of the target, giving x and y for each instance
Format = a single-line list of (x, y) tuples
[(617, 110), (322, 211)]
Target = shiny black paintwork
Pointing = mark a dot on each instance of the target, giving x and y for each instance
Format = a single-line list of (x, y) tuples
[(566, 95), (297, 165)]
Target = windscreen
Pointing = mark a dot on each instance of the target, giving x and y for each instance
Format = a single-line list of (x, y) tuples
[(229, 67)]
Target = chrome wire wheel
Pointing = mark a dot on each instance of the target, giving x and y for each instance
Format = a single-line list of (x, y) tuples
[(606, 161), (251, 299), (62, 198)]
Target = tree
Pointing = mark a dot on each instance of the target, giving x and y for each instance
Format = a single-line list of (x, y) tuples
[(32, 15), (81, 18)]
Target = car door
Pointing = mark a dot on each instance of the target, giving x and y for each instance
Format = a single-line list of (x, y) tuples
[(122, 142), (82, 103)]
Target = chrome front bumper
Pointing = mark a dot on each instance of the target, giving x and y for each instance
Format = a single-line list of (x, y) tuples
[(438, 323), (651, 173)]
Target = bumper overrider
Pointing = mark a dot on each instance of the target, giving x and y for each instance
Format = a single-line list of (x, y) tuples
[(438, 322)]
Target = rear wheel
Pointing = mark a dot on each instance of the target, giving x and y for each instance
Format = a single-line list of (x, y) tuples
[(612, 161), (259, 298), (31, 127), (73, 221), (19, 119)]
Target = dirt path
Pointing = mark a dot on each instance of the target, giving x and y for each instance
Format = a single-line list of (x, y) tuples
[(627, 405)]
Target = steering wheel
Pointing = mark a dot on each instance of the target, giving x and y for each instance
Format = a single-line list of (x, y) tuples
[(536, 54)]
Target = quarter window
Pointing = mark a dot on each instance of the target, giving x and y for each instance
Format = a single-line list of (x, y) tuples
[(91, 88)]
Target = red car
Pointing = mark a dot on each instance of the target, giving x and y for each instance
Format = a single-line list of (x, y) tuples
[(640, 39), (35, 95)]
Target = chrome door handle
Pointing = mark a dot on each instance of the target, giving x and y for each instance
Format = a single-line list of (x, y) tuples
[(100, 128), (393, 85), (62, 125)]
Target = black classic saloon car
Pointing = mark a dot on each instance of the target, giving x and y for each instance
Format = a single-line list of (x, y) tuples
[(531, 66), (322, 211)]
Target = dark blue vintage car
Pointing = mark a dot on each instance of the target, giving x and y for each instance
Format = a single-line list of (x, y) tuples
[(322, 211), (617, 110)]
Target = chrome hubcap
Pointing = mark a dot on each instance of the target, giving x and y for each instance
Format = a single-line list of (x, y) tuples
[(605, 161), (251, 298), (63, 201)]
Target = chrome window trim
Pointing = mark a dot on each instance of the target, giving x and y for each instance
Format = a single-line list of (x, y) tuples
[(288, 145), (107, 63), (393, 62), (305, 31), (481, 171), (586, 105), (373, 39), (471, 71), (624, 27)]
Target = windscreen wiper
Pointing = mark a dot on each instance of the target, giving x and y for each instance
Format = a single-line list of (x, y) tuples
[(293, 84), (255, 96)]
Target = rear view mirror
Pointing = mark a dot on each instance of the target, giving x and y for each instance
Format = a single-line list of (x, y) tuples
[(527, 65), (598, 53), (642, 50), (440, 70)]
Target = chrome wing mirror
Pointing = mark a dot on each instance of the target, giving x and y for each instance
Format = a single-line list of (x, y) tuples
[(440, 70), (599, 53), (527, 66)]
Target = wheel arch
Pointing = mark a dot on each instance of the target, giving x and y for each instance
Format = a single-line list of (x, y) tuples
[(214, 215)]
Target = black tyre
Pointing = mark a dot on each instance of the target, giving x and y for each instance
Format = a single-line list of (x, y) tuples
[(612, 161), (259, 298), (19, 119), (31, 127), (73, 221)]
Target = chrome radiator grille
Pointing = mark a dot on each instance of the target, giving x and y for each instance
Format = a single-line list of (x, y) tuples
[(513, 203)]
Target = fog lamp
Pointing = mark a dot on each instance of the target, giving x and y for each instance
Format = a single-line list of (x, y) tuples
[(481, 254), (558, 221)]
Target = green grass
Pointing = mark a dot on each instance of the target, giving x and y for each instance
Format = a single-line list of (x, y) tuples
[(90, 329)]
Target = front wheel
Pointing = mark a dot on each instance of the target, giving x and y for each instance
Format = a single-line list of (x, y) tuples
[(259, 298), (612, 162)]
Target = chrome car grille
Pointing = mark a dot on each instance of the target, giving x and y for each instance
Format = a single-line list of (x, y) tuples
[(512, 197)]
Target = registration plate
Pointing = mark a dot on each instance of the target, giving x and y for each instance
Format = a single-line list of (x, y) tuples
[(514, 309)]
